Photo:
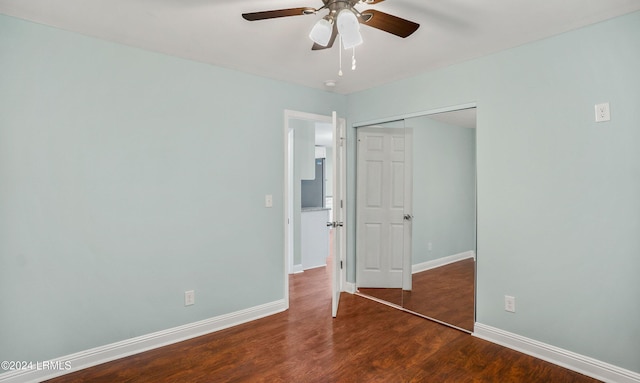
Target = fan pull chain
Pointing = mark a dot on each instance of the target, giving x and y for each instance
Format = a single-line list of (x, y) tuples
[(340, 54), (353, 59)]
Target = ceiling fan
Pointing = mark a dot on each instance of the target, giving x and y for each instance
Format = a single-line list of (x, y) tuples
[(343, 19)]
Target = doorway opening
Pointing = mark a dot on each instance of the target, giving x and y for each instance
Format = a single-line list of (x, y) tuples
[(313, 180)]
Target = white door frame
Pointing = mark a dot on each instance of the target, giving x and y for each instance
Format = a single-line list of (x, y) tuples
[(288, 195)]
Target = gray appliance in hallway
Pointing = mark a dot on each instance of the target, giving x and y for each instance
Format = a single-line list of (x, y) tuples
[(313, 191)]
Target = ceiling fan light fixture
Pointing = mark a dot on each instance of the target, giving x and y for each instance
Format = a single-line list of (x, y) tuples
[(321, 32), (349, 29)]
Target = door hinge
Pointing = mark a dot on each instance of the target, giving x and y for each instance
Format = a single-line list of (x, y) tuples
[(341, 204), (340, 265)]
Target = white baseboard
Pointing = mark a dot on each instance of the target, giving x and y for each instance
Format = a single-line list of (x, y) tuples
[(424, 266), (568, 359), (350, 287), (298, 269), (103, 354)]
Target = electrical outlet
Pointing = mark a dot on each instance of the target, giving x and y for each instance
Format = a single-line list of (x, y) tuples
[(602, 112), (429, 246), (268, 200), (509, 304), (189, 298)]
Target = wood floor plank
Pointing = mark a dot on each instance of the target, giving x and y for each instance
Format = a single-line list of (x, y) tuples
[(445, 293), (368, 342)]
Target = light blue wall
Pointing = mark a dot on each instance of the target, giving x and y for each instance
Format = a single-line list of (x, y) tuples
[(444, 189), (558, 194), (126, 178)]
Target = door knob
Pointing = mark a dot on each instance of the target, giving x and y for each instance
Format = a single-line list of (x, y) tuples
[(408, 217)]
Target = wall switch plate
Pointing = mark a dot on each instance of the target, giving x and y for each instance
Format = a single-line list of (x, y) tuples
[(509, 304), (268, 200), (189, 298), (603, 112)]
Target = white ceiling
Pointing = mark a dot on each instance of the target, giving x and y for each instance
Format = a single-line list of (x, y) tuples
[(212, 31)]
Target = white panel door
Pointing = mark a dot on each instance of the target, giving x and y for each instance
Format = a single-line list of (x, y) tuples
[(339, 209), (380, 210)]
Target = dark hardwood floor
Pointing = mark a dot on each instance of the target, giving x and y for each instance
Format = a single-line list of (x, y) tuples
[(367, 342), (445, 293)]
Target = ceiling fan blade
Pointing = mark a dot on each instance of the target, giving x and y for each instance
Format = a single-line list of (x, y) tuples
[(389, 23), (334, 34), (253, 16)]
